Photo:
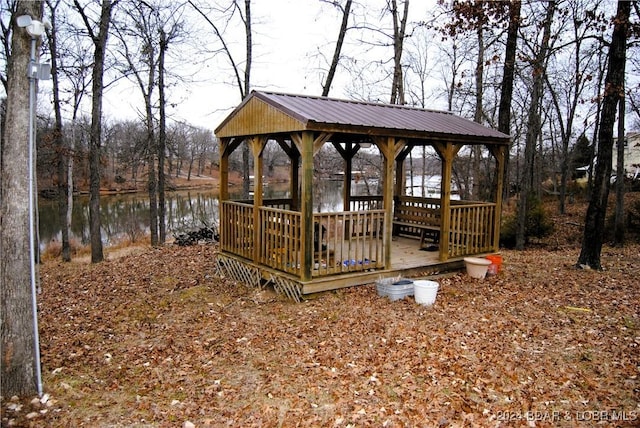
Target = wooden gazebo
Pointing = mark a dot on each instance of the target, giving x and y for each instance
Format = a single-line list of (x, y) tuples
[(300, 251)]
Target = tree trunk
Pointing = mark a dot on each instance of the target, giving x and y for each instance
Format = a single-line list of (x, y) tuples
[(326, 87), (66, 251), (244, 91), (506, 89), (153, 194), (614, 85), (618, 235), (162, 138), (533, 128), (100, 45), (399, 29), (477, 117), (602, 69), (18, 346), (61, 143), (152, 148)]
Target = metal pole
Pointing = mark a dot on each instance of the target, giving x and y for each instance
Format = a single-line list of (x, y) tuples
[(33, 75)]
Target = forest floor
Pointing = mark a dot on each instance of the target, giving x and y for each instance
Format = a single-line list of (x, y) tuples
[(156, 338)]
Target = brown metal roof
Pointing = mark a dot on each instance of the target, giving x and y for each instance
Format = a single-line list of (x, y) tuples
[(303, 112)]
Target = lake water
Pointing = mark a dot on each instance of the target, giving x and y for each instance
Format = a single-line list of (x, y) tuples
[(126, 217)]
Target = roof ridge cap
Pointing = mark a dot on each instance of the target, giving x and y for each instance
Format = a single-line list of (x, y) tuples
[(361, 102)]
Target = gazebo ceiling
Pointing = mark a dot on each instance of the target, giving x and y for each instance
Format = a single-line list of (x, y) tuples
[(270, 113)]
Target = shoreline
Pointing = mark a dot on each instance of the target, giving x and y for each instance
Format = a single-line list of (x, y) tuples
[(195, 183)]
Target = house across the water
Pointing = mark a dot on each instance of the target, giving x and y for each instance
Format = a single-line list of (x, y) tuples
[(300, 251)]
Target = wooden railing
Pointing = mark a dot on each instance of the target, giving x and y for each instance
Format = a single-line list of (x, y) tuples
[(282, 203), (416, 201), (471, 228), (365, 203), (236, 228), (415, 216), (343, 242), (279, 244), (362, 250)]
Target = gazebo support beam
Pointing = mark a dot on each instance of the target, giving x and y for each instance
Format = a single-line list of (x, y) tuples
[(447, 152), (257, 145), (347, 153), (305, 143), (224, 168), (390, 147), (400, 188), (294, 157), (499, 153)]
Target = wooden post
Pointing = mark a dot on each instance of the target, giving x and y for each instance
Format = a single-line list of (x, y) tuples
[(305, 146), (224, 169), (347, 153), (401, 180), (293, 153), (447, 152), (499, 153), (257, 144), (348, 170), (387, 198), (390, 148), (227, 146), (295, 182)]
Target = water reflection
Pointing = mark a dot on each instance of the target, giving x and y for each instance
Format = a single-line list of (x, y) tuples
[(126, 217)]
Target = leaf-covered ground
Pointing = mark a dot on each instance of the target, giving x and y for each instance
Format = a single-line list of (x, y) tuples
[(155, 338)]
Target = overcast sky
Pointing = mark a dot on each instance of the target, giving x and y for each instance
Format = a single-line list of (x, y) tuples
[(288, 34)]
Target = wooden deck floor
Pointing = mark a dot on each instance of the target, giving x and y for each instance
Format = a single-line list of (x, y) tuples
[(407, 259), (406, 253)]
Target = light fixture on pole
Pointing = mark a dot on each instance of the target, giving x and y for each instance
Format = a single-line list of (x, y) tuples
[(35, 71), (365, 145)]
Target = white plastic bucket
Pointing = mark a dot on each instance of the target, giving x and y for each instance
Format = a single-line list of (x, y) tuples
[(425, 291)]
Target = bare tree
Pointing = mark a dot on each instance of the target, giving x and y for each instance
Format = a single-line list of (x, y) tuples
[(154, 27), (420, 68), (533, 124), (65, 195), (566, 87), (619, 226), (399, 34), (99, 38), (508, 72), (593, 237), (18, 353), (141, 64), (476, 19), (71, 74), (242, 77), (162, 137), (344, 26), (7, 12)]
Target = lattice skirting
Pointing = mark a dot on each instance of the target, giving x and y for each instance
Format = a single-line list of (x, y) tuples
[(238, 271), (288, 287), (251, 276)]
